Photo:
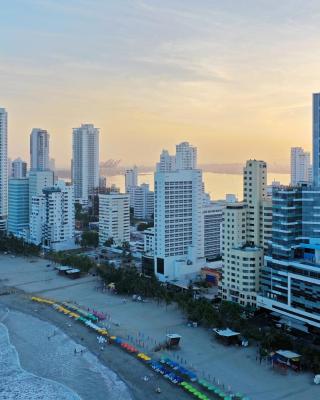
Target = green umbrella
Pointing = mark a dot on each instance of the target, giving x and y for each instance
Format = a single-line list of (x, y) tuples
[(211, 388)]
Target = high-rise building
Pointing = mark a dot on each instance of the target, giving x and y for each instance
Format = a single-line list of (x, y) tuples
[(300, 166), (114, 218), (179, 243), (254, 192), (39, 150), (18, 168), (290, 283), (142, 201), (242, 262), (18, 206), (3, 169), (131, 178), (85, 161), (246, 234), (52, 217), (316, 139), (212, 224), (186, 156), (39, 180)]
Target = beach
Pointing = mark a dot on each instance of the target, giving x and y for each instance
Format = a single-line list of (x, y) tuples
[(141, 323)]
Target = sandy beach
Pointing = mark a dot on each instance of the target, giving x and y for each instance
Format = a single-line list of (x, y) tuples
[(145, 323)]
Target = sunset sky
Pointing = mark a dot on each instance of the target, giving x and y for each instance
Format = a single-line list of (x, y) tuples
[(234, 77)]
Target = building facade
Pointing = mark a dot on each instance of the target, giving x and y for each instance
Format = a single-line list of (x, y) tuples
[(212, 226), (114, 218), (142, 201), (39, 180), (290, 283), (300, 166), (18, 168), (179, 243), (52, 217), (85, 161), (246, 235), (39, 150), (18, 206), (241, 261), (131, 178), (3, 169), (316, 139)]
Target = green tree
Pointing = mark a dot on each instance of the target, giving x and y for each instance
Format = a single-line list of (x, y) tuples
[(90, 239)]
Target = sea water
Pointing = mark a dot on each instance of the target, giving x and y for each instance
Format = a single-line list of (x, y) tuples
[(50, 370)]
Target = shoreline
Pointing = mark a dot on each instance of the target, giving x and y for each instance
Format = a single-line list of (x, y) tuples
[(127, 368), (148, 322)]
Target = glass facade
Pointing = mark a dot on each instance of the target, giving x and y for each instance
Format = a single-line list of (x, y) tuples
[(290, 280), (18, 212)]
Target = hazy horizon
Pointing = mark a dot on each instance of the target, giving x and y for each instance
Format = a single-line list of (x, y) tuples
[(234, 78)]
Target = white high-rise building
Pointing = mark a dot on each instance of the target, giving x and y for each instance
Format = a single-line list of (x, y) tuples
[(131, 178), (247, 230), (39, 180), (85, 161), (39, 150), (52, 217), (114, 218), (179, 242), (142, 201), (300, 166), (212, 226), (186, 156), (3, 169), (18, 168), (241, 263), (254, 193)]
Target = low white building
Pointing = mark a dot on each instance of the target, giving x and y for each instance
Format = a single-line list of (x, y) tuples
[(52, 217), (114, 218)]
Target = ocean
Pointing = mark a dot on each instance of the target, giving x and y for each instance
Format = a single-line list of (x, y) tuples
[(216, 184), (35, 367)]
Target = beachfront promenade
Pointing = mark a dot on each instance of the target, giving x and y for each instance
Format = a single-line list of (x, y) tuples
[(148, 323)]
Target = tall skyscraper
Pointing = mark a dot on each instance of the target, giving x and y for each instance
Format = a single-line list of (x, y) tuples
[(18, 206), (3, 169), (254, 192), (39, 150), (18, 168), (300, 166), (246, 234), (85, 161), (290, 281), (316, 139), (131, 178), (179, 242)]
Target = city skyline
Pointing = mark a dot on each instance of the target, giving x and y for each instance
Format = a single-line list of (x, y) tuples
[(153, 75)]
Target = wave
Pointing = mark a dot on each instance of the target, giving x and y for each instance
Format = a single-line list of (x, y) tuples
[(18, 384)]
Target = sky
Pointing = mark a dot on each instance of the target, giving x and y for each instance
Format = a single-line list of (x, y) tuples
[(233, 77)]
